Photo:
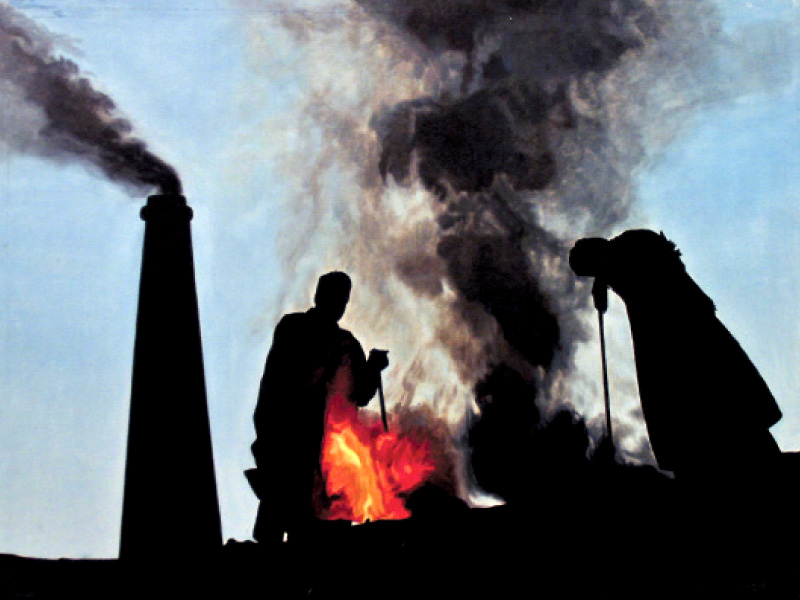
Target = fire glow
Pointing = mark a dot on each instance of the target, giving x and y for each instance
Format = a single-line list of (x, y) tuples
[(368, 470)]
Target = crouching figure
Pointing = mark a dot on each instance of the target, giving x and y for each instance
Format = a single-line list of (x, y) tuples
[(708, 410)]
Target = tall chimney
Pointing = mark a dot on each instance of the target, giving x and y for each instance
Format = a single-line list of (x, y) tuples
[(170, 504)]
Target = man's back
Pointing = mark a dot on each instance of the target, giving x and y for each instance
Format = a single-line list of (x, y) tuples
[(291, 402)]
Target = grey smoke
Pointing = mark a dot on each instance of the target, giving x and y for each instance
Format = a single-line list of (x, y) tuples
[(52, 110), (524, 121), (517, 103), (487, 151)]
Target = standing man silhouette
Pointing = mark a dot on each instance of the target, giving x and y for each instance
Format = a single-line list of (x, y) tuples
[(307, 350)]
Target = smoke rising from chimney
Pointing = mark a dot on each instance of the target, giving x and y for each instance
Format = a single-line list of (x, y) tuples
[(52, 111), (452, 153)]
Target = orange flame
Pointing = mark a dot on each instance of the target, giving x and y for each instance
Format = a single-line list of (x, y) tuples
[(366, 469)]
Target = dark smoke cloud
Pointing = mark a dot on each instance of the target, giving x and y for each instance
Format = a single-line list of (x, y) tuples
[(514, 127), (56, 113), (517, 130), (490, 267), (506, 126), (559, 37), (466, 143), (486, 150)]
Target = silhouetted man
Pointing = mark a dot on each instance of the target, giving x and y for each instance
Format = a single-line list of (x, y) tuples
[(708, 411), (307, 350)]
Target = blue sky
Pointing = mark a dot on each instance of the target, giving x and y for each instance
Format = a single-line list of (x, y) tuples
[(725, 190)]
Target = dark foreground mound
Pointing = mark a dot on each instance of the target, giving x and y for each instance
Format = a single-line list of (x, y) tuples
[(629, 534)]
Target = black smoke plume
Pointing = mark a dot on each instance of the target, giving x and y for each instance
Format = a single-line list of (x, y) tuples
[(489, 150), (498, 133), (55, 112), (486, 153)]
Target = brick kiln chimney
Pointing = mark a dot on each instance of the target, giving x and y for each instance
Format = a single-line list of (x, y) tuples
[(170, 504)]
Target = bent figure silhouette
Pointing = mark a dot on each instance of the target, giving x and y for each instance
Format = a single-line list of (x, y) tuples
[(708, 410), (307, 350)]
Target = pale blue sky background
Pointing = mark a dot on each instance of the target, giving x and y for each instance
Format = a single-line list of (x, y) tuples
[(725, 190)]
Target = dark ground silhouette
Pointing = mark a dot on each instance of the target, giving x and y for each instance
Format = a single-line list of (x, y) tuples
[(622, 533)]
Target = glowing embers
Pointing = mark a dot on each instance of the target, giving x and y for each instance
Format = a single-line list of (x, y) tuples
[(367, 470)]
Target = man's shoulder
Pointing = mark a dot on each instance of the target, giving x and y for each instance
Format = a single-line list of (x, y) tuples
[(295, 317), (291, 321), (347, 339)]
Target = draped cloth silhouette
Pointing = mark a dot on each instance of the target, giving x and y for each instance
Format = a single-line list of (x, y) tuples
[(707, 408)]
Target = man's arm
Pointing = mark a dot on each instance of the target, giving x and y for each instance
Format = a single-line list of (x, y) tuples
[(366, 372)]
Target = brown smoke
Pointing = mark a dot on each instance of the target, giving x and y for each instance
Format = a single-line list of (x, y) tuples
[(57, 114), (460, 148)]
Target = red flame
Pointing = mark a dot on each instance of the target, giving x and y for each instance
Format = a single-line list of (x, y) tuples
[(366, 469)]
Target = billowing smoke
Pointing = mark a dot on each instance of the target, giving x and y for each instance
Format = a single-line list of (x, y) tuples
[(452, 152), (52, 111)]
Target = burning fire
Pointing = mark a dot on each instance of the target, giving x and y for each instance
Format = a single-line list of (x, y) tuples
[(366, 469)]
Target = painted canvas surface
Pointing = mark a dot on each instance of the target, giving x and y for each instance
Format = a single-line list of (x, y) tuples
[(446, 155)]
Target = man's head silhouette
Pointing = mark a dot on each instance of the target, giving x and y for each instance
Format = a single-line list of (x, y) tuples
[(332, 295)]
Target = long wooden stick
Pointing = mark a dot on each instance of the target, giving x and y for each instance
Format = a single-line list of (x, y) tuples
[(383, 403), (600, 295), (606, 393)]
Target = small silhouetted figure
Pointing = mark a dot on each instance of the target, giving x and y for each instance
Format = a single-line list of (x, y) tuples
[(707, 409), (307, 350)]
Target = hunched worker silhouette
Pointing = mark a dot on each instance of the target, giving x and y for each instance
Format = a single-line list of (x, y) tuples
[(708, 410), (307, 350)]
